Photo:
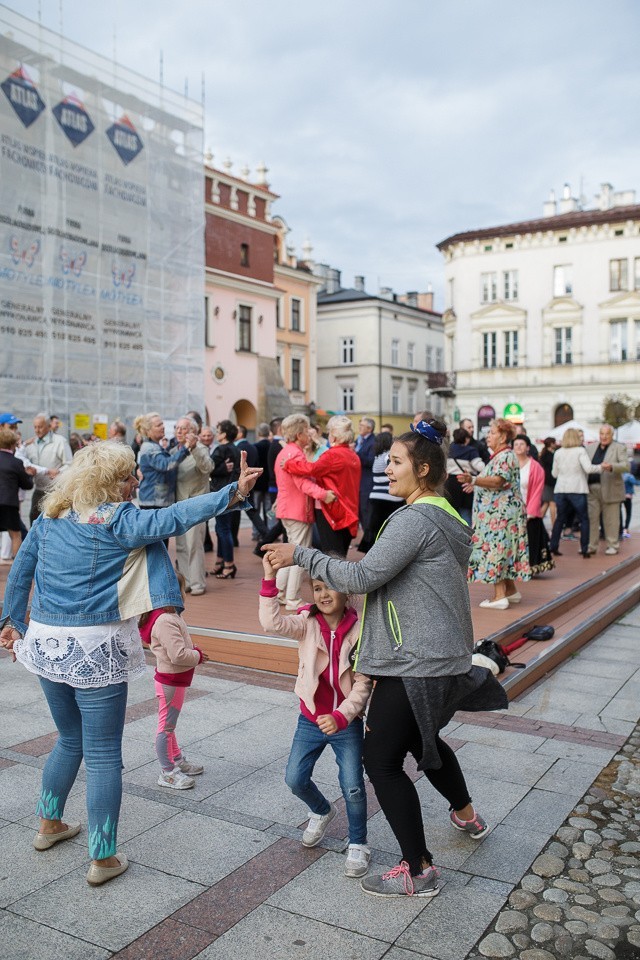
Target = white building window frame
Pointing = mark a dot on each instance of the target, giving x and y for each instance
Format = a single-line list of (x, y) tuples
[(411, 355), (347, 351), (396, 396), (430, 361), (563, 280), (347, 397), (619, 340), (296, 315), (244, 328), (511, 347), (489, 349), (618, 275), (395, 352), (298, 361), (510, 284), (562, 346), (489, 287)]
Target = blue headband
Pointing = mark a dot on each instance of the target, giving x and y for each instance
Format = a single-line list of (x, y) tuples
[(426, 430)]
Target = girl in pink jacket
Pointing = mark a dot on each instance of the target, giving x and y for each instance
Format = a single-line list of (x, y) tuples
[(332, 701), (166, 633)]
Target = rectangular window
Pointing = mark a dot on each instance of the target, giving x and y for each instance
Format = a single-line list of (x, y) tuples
[(637, 329), (347, 399), (296, 379), (563, 280), (489, 350), (636, 273), (411, 351), (244, 328), (395, 398), (618, 278), (510, 278), (278, 315), (208, 324), (488, 287), (511, 348), (395, 353), (618, 344), (413, 399), (439, 359), (244, 254), (295, 314), (429, 359), (451, 288), (563, 347), (347, 350)]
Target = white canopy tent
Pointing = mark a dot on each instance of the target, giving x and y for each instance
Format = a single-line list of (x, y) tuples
[(629, 433), (589, 435)]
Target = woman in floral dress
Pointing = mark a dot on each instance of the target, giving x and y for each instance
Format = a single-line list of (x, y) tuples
[(500, 549)]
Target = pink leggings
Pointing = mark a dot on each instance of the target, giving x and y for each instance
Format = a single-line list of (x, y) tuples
[(170, 700)]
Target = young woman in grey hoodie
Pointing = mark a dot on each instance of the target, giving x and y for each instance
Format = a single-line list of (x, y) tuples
[(416, 641)]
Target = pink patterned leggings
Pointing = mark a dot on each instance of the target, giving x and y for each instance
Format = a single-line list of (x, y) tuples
[(170, 700)]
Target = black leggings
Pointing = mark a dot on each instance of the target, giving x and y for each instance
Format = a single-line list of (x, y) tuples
[(332, 541), (392, 733)]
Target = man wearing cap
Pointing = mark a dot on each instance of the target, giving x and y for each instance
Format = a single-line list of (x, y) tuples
[(48, 450)]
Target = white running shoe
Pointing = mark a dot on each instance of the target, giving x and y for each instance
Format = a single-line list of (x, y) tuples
[(175, 779), (191, 769), (357, 862), (317, 827)]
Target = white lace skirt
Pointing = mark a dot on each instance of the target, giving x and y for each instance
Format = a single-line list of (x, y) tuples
[(83, 656)]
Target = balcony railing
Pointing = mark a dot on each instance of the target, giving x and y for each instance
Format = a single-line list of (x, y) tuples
[(441, 383)]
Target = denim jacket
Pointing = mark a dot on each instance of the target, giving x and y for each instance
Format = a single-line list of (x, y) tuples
[(159, 473), (106, 570)]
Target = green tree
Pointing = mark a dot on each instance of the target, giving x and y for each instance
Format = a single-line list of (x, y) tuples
[(619, 408)]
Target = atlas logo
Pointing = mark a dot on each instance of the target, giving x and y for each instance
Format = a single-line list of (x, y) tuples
[(74, 120), (123, 276), (23, 255), (72, 264), (23, 96), (124, 137)]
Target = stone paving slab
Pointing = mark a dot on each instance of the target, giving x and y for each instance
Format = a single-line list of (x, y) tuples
[(446, 934), (196, 847), (110, 916), (273, 934), (571, 777), (540, 811), (505, 853), (25, 869), (19, 937), (267, 795), (324, 893), (217, 775), (502, 764)]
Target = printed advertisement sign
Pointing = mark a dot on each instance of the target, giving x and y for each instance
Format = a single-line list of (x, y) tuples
[(101, 234)]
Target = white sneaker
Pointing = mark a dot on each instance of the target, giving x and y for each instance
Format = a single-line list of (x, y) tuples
[(197, 591), (611, 551), (317, 827), (191, 769), (175, 779), (357, 862)]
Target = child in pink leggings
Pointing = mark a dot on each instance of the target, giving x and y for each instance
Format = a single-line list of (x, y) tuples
[(176, 659)]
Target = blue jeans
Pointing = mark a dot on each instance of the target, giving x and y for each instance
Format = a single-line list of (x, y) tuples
[(225, 537), (90, 722), (308, 743), (579, 503)]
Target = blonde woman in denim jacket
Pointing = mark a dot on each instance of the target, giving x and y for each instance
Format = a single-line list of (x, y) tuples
[(97, 563)]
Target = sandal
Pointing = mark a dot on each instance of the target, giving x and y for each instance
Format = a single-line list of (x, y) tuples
[(228, 573)]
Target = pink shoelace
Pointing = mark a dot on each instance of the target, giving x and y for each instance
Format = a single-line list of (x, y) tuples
[(404, 871)]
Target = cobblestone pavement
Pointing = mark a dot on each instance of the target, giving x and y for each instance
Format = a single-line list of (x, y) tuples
[(581, 897), (219, 873)]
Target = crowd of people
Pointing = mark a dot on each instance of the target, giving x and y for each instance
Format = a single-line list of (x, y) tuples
[(435, 512)]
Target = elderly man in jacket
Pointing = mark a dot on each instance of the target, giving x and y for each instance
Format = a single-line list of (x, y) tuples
[(606, 489), (49, 450), (192, 481)]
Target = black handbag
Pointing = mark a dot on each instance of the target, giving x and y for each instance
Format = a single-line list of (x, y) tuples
[(540, 633)]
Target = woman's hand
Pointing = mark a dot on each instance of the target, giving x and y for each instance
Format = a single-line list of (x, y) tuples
[(8, 636), (248, 475), (279, 555), (331, 496), (327, 724), (464, 479), (269, 572)]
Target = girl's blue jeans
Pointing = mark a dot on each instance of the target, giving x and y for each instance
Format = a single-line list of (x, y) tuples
[(308, 743), (90, 722)]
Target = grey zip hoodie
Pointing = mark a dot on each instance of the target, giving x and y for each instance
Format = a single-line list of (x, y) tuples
[(416, 620)]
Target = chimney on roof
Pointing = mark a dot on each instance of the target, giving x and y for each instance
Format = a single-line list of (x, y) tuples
[(358, 283), (624, 198), (604, 199), (568, 204), (307, 251), (386, 293), (412, 298), (549, 206)]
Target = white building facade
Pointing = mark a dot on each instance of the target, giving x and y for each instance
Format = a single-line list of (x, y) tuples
[(380, 356), (543, 316)]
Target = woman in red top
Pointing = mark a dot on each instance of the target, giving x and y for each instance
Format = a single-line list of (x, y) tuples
[(338, 469)]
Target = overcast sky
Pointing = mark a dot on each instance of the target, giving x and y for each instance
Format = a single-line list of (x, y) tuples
[(388, 125)]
